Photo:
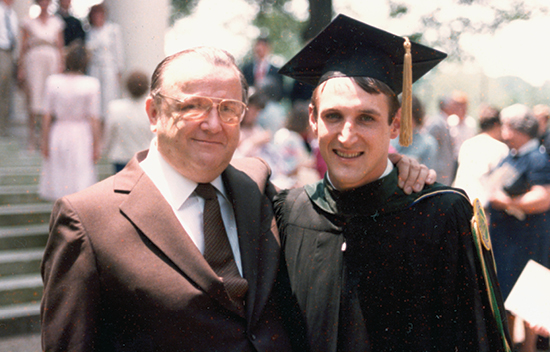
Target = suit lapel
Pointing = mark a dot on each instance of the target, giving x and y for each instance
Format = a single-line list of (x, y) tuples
[(147, 209), (259, 254)]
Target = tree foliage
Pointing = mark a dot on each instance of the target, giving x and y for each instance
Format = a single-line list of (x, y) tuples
[(445, 25), (442, 26), (182, 8), (283, 30)]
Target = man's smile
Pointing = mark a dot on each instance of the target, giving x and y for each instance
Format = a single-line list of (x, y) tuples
[(347, 155)]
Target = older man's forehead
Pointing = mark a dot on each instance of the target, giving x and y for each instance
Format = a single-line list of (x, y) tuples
[(201, 77), (192, 68)]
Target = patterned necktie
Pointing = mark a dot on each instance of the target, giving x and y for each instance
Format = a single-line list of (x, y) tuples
[(217, 250)]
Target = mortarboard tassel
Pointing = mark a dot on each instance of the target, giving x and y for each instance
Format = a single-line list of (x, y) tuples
[(406, 133)]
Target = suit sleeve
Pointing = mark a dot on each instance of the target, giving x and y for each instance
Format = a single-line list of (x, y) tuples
[(69, 308)]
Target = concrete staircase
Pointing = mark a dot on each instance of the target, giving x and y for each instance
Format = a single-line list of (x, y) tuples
[(24, 222), (23, 234)]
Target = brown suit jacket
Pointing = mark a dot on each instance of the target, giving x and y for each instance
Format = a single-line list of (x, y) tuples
[(121, 274)]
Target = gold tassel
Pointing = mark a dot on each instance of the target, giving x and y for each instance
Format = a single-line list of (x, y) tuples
[(406, 133)]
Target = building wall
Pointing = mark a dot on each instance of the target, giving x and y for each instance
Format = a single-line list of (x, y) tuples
[(144, 24)]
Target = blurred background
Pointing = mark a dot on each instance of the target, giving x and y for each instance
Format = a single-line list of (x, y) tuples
[(497, 49)]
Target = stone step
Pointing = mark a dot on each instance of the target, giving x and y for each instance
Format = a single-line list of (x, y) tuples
[(9, 145), (19, 159), (13, 155), (30, 175), (22, 289), (19, 194), (23, 237), (19, 175), (25, 214), (20, 262), (19, 179), (19, 319)]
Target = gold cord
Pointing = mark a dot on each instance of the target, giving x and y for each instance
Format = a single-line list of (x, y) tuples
[(406, 133)]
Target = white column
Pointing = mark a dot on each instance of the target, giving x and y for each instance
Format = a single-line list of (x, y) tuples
[(144, 24)]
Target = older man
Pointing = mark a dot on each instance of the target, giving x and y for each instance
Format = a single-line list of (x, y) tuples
[(520, 208), (179, 251)]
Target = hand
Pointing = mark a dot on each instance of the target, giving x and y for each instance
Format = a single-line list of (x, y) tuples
[(539, 330), (96, 153), (500, 200), (45, 149), (412, 175), (21, 77)]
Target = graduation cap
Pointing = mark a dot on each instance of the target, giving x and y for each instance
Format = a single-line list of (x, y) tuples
[(359, 50)]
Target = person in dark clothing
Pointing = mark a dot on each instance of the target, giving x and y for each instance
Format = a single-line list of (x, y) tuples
[(372, 268), (260, 72), (73, 27), (520, 206)]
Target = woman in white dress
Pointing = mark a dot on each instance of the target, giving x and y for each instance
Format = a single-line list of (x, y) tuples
[(104, 42), (40, 56), (70, 139)]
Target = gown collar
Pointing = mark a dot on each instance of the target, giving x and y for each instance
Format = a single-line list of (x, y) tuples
[(381, 195)]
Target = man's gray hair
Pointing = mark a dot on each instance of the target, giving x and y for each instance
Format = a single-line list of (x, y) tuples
[(521, 119), (215, 56)]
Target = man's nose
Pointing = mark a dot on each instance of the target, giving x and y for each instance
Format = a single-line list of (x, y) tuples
[(347, 134), (212, 121)]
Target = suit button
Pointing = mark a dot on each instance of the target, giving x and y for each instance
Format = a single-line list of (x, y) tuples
[(252, 337)]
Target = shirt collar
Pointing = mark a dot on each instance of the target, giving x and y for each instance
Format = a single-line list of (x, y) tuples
[(174, 187), (389, 168), (526, 148)]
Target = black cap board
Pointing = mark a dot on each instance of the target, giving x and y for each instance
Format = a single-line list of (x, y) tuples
[(357, 49)]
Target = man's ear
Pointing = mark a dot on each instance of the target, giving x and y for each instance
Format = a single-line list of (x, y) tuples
[(396, 125), (312, 120), (152, 112)]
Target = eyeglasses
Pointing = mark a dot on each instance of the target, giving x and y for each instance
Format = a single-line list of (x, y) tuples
[(194, 107)]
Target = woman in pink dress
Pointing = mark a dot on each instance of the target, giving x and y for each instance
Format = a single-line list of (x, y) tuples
[(40, 56), (70, 141)]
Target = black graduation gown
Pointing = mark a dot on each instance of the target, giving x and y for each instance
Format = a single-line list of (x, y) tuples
[(376, 270)]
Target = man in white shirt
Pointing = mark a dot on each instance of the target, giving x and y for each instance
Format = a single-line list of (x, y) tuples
[(127, 126), (479, 156)]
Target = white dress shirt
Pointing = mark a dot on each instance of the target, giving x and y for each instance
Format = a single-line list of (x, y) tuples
[(188, 207), (479, 156)]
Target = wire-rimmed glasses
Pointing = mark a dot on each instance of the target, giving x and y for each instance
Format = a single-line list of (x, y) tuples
[(194, 107)]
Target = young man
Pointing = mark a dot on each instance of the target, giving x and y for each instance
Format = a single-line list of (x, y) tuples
[(372, 268)]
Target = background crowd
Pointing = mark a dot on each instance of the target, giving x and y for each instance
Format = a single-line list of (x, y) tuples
[(74, 80)]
